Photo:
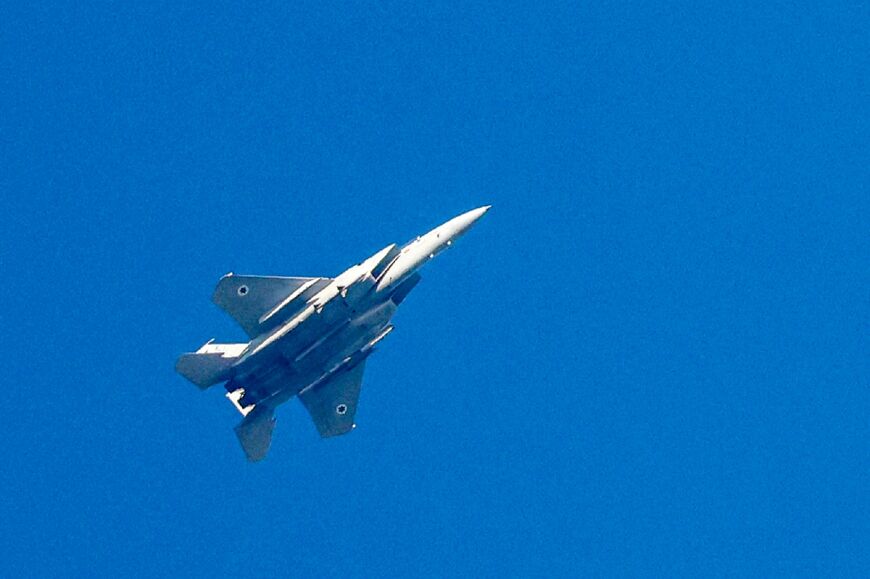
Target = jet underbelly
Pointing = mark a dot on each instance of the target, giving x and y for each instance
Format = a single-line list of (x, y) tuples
[(343, 340)]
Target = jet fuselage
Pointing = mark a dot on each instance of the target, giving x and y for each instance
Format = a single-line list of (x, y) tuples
[(310, 336)]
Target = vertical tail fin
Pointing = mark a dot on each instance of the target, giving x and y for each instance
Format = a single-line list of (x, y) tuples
[(255, 432)]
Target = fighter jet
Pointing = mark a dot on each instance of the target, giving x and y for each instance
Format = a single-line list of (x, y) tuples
[(310, 336)]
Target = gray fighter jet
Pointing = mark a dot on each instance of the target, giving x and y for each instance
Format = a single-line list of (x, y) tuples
[(310, 336)]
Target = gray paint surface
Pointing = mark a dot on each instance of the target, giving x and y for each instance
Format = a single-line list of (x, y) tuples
[(310, 337)]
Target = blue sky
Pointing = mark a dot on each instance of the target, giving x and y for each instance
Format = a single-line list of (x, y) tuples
[(650, 357)]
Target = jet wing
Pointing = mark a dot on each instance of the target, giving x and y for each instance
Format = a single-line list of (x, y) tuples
[(257, 303), (332, 403)]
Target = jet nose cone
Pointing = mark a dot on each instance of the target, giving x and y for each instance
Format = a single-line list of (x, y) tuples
[(470, 217), (466, 220), (462, 223)]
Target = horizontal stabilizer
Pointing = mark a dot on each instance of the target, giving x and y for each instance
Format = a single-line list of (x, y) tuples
[(210, 364), (255, 433)]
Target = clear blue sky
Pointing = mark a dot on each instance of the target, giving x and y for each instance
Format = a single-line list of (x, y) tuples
[(650, 357)]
